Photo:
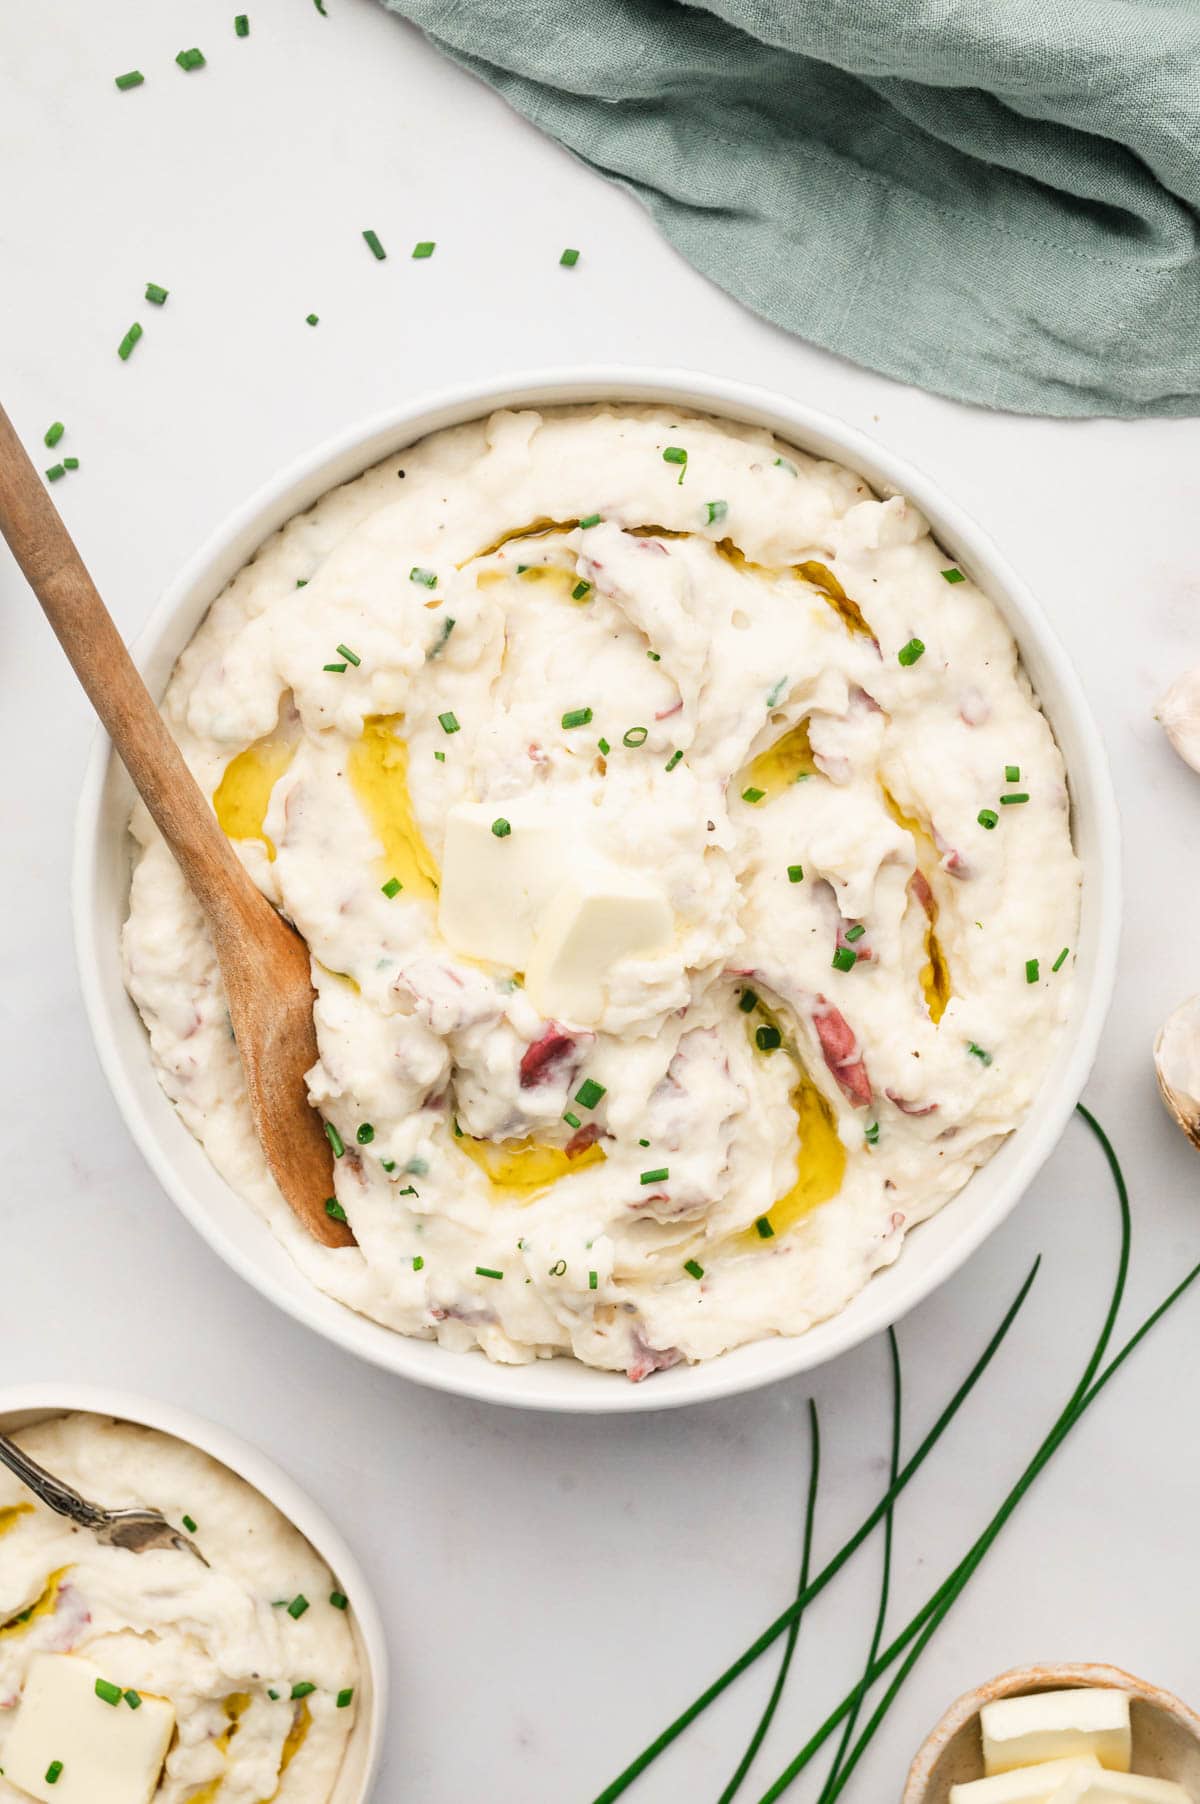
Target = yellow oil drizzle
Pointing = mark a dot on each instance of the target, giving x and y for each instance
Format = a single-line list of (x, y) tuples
[(935, 972), (296, 1737), (378, 769), (243, 795), (44, 1606), (11, 1515), (536, 529), (733, 554), (821, 577), (519, 1170), (820, 1154), (781, 765)]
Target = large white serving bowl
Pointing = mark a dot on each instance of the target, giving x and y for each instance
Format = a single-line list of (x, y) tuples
[(24, 1406), (933, 1251)]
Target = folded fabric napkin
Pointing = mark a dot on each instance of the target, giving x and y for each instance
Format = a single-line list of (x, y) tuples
[(996, 199)]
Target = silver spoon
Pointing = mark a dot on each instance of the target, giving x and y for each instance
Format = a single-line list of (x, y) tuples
[(138, 1531)]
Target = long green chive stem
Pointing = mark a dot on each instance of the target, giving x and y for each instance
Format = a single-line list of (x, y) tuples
[(831, 1787), (908, 1471), (764, 1721)]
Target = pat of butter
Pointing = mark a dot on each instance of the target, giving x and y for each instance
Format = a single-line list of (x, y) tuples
[(100, 1753), (1026, 1785), (1057, 1725), (603, 913), (1119, 1788), (495, 889)]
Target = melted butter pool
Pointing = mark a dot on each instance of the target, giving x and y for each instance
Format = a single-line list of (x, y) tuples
[(378, 772), (243, 795), (935, 973), (520, 1170)]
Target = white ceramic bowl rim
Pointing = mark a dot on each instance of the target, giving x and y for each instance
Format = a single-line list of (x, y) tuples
[(56, 1398), (935, 1249)]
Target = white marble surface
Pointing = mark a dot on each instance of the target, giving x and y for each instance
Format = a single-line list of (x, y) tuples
[(555, 1589)]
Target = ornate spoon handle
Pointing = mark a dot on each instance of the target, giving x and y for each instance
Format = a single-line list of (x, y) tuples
[(52, 1491)]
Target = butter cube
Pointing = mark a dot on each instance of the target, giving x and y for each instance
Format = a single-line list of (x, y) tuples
[(100, 1753), (602, 913), (1057, 1725), (495, 888), (1119, 1788), (1024, 1785)]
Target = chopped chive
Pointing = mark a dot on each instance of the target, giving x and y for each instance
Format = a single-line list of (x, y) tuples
[(871, 1133), (501, 828), (715, 511), (334, 1210), (440, 756), (659, 1175), (320, 6), (339, 1600), (1012, 773), (673, 760), (345, 1697), (577, 717), (908, 654), (795, 873), (351, 657), (765, 1230), (654, 656), (189, 1522), (298, 1606), (675, 454), (55, 471), (388, 1164), (569, 259), (156, 294), (335, 1139), (589, 520), (127, 343), (392, 887), (1008, 801), (427, 578), (856, 932), (753, 795), (977, 1052), (634, 736), (312, 319), (190, 59), (785, 463), (589, 1093), (53, 434), (302, 582), (365, 1134), (580, 590), (1061, 959), (70, 463), (604, 746), (987, 817), (643, 1143), (303, 1688), (693, 1268), (439, 644), (106, 1690), (448, 722), (593, 1280), (133, 79), (272, 1694), (241, 25), (558, 1268), (373, 245), (54, 1772), (747, 1002), (425, 249), (768, 1038), (571, 1119), (845, 958), (1031, 970), (418, 1261), (485, 1271), (133, 1699), (522, 568), (339, 669), (954, 576)]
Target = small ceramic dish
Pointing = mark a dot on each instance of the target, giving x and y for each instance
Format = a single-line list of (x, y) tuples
[(1166, 1734), (25, 1406)]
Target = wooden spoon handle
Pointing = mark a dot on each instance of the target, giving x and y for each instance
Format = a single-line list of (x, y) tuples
[(58, 577)]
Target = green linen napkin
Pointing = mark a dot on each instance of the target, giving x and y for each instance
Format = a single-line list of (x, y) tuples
[(996, 199)]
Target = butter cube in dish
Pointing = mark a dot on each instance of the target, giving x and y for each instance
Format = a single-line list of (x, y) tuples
[(1057, 1725), (1118, 1788), (1025, 1785), (78, 1739)]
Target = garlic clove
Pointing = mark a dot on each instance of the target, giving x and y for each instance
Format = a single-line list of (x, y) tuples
[(1179, 712), (1177, 1063)]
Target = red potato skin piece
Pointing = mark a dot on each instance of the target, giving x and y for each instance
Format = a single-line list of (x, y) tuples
[(579, 1142), (542, 1055), (911, 1108), (839, 1046)]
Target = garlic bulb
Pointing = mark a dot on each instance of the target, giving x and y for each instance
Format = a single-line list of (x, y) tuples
[(1177, 1062), (1179, 712)]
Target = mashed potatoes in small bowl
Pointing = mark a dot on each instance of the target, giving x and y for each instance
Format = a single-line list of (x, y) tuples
[(708, 863)]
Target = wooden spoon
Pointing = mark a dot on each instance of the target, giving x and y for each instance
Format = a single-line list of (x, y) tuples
[(264, 963)]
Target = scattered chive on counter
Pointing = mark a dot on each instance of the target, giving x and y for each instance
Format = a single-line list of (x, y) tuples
[(127, 343), (70, 463), (133, 78), (425, 249), (569, 259), (376, 249), (53, 434), (156, 294), (55, 471), (190, 59), (241, 25), (312, 319)]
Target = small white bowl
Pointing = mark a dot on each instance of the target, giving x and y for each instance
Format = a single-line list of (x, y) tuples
[(25, 1405), (1166, 1734), (932, 1252)]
